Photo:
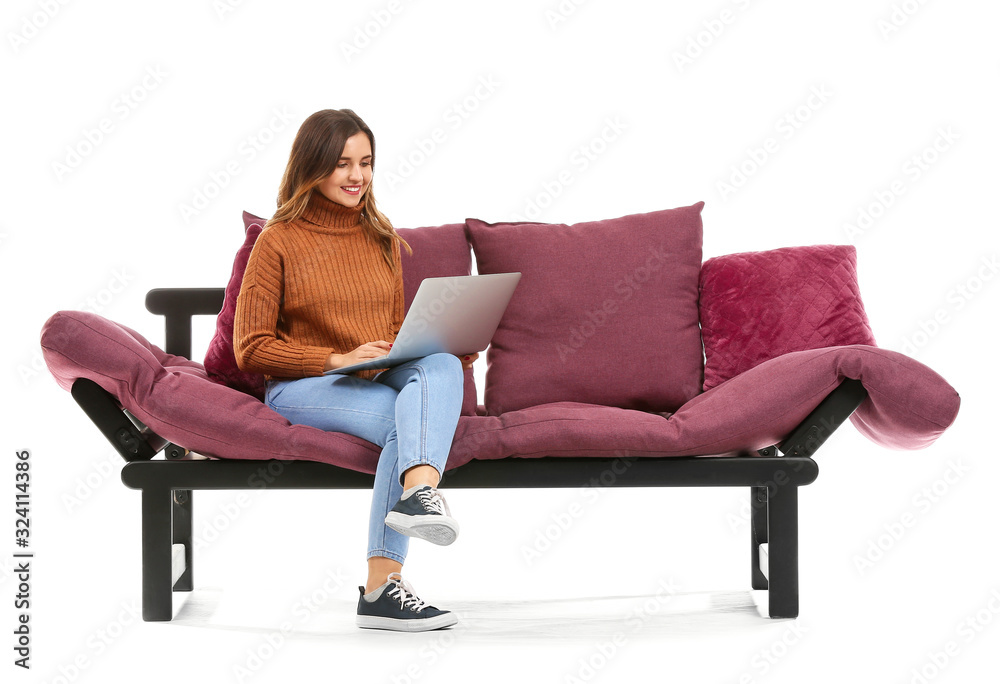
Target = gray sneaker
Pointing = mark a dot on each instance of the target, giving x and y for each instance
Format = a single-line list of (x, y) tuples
[(394, 606), (422, 512)]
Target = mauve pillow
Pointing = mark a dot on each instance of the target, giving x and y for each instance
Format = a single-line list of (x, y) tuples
[(220, 359), (438, 251), (606, 312), (757, 306)]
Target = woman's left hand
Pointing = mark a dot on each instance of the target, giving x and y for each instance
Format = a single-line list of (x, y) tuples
[(468, 360)]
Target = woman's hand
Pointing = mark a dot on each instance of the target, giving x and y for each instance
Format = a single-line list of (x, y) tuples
[(468, 360), (369, 350)]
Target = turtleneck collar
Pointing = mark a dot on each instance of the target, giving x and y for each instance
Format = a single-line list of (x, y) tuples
[(329, 216)]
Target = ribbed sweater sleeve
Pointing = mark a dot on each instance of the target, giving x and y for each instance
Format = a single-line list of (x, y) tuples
[(256, 343), (399, 305)]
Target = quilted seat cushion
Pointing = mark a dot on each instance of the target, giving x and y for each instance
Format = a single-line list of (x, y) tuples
[(756, 306)]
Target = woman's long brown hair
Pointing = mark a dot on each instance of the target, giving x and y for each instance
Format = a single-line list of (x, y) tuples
[(315, 154)]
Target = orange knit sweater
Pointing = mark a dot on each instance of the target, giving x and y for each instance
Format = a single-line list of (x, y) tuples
[(315, 286)]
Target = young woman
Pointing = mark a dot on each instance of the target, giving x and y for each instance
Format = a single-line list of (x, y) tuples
[(323, 289)]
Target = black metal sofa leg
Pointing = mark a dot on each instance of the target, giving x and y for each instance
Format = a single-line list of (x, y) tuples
[(758, 534), (783, 551), (157, 597), (182, 511)]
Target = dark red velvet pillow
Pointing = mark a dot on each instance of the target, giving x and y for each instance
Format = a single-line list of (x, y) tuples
[(606, 312), (220, 359), (756, 306)]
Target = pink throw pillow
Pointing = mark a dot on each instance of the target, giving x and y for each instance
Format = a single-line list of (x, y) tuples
[(756, 306), (606, 312), (220, 359)]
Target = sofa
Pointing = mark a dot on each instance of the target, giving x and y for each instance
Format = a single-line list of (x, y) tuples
[(623, 359)]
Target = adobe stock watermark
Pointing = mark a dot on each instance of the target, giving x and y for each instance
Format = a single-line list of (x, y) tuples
[(710, 31), (86, 485), (265, 475), (364, 34), (246, 151), (956, 299), (787, 127), (31, 25), (561, 522), (228, 512), (737, 521), (223, 8), (912, 170), (560, 12), (599, 316), (97, 644), (97, 302), (899, 15), (589, 666), (225, 515), (922, 503), (302, 611), (768, 657), (430, 655), (121, 108), (453, 118), (6, 570), (420, 318), (967, 631), (580, 159)]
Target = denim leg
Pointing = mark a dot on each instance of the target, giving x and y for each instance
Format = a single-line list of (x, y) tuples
[(382, 539), (336, 403), (354, 406), (427, 409)]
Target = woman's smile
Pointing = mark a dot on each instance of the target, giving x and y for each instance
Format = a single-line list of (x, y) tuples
[(353, 173)]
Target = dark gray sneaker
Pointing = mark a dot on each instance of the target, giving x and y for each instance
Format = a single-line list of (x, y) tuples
[(394, 606), (422, 512)]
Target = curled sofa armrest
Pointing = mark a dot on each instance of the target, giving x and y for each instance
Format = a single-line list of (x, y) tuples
[(838, 406), (177, 306)]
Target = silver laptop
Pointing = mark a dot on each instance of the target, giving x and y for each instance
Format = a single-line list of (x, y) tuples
[(454, 314)]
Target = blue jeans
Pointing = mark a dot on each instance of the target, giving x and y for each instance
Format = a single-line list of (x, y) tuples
[(411, 411)]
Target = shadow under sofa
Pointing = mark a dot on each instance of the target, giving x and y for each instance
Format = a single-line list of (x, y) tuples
[(758, 428)]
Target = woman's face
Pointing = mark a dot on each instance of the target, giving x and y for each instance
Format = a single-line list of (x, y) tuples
[(349, 181)]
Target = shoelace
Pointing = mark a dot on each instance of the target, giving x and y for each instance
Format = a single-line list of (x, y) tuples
[(433, 501), (403, 592)]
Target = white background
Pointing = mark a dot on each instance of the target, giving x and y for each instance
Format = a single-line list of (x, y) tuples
[(684, 94)]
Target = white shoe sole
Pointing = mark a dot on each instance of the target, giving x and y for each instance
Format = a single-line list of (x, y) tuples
[(411, 625), (440, 530)]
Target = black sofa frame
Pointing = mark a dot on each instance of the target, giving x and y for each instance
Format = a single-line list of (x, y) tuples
[(168, 483)]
